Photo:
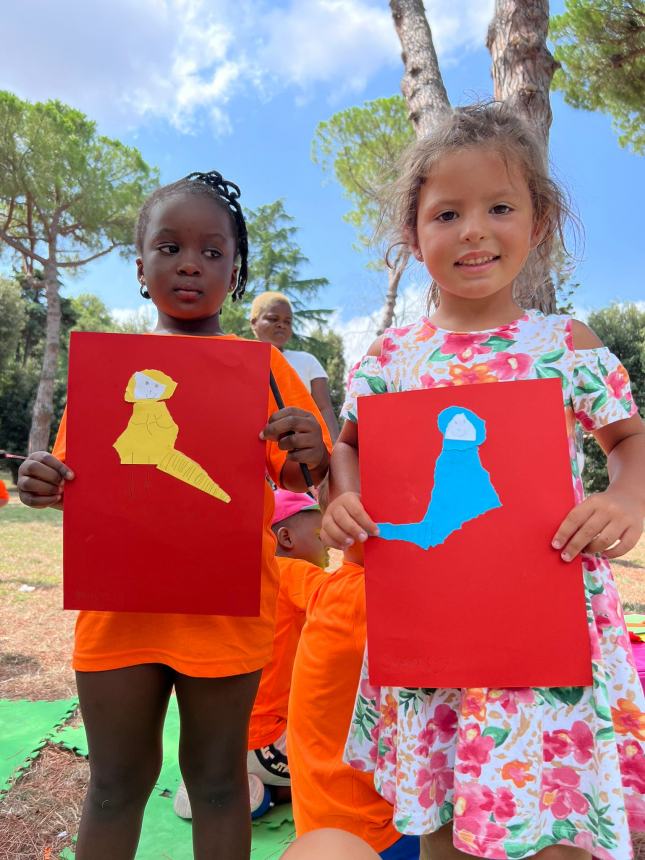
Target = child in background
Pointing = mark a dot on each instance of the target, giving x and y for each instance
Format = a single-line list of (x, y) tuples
[(301, 560), (505, 773), (327, 792), (192, 244)]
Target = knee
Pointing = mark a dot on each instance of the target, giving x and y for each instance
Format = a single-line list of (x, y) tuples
[(217, 791), (563, 852), (115, 789)]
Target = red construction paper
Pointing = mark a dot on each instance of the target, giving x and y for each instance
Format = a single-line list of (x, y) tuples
[(136, 538), (455, 615)]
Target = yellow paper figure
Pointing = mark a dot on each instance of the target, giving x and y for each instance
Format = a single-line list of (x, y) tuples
[(151, 433)]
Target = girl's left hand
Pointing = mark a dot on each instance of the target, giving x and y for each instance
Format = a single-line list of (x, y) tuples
[(297, 432), (610, 522)]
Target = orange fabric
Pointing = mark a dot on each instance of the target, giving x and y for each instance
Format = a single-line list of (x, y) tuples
[(298, 580), (4, 492), (197, 645), (325, 791)]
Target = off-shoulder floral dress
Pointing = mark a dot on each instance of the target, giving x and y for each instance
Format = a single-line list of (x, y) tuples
[(516, 770)]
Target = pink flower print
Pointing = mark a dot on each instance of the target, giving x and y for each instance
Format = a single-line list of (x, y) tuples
[(473, 703), (473, 749), (434, 781), (388, 748), (369, 691), (606, 609), (473, 831), (428, 381), (585, 840), (509, 699), (560, 793), (635, 807), (503, 805), (508, 365), (581, 741), (445, 719), (427, 736), (400, 332), (388, 348), (465, 345), (426, 331), (358, 763), (388, 791), (352, 371), (585, 420), (556, 745), (618, 380), (632, 765)]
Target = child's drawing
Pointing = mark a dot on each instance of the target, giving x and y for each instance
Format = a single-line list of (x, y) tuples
[(151, 433), (462, 487)]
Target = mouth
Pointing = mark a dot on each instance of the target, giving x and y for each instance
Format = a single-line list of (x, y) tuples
[(189, 294), (477, 260)]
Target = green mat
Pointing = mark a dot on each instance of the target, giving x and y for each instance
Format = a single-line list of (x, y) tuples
[(25, 727), (636, 623), (163, 834)]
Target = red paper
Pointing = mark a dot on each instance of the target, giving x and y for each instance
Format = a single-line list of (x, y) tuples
[(140, 539), (493, 605)]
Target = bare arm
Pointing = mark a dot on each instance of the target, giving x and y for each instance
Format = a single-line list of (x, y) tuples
[(320, 393), (610, 522)]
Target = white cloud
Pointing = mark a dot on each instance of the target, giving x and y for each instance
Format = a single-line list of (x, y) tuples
[(183, 60)]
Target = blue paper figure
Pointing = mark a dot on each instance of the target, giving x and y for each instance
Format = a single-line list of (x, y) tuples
[(462, 487)]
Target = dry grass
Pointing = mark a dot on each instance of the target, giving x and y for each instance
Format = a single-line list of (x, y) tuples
[(35, 646), (40, 815)]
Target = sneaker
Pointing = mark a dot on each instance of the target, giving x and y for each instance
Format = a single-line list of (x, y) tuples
[(259, 794)]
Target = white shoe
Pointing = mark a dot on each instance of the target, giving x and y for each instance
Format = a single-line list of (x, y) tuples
[(259, 795)]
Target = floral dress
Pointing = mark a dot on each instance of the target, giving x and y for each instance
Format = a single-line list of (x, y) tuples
[(516, 770)]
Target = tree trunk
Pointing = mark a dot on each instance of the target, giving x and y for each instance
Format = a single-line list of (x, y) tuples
[(522, 72), (43, 406), (394, 277), (422, 84)]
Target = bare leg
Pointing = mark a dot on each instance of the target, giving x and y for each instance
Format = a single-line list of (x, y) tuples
[(123, 711), (215, 716)]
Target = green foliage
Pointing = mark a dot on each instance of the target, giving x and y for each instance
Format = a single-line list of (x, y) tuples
[(327, 346), (601, 47), (91, 314), (361, 145), (622, 329), (12, 319), (62, 184), (275, 263)]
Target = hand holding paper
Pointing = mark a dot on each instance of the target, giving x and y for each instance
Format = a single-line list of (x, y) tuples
[(297, 432), (346, 521), (42, 479)]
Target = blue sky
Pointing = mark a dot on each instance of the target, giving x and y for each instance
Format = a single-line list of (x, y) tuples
[(240, 87)]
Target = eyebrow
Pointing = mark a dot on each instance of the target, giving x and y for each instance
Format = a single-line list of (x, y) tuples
[(501, 193), (171, 232)]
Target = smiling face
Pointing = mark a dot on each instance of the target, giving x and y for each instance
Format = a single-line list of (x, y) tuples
[(475, 225), (274, 324), (188, 262)]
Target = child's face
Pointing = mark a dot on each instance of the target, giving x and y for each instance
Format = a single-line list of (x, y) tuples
[(188, 258), (474, 224), (304, 529), (274, 324)]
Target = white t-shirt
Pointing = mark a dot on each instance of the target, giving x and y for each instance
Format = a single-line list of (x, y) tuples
[(306, 366)]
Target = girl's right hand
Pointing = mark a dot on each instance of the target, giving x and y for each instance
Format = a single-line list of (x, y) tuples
[(41, 479), (346, 521)]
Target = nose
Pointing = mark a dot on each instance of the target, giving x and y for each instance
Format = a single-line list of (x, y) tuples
[(472, 228), (187, 266)]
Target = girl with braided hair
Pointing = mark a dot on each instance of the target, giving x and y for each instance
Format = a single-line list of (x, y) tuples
[(192, 252)]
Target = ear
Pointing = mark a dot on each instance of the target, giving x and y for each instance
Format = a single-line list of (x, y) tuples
[(410, 238), (233, 283), (139, 265), (285, 540)]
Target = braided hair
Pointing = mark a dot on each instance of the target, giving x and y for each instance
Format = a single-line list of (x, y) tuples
[(226, 194)]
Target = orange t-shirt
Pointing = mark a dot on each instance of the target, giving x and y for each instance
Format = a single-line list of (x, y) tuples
[(298, 579), (325, 791), (202, 646), (4, 492)]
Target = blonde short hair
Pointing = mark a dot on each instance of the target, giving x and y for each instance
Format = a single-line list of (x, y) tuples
[(261, 303)]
